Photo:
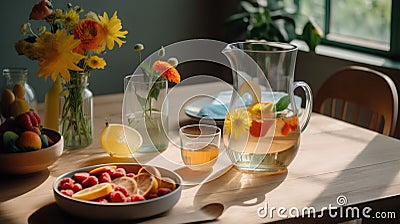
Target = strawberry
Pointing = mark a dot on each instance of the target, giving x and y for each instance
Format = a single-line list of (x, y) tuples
[(105, 177), (24, 122), (37, 131), (102, 200), (151, 196), (77, 187), (80, 177), (163, 191), (137, 197), (117, 196), (285, 129), (35, 118), (119, 172), (66, 183), (260, 129), (121, 189), (51, 142), (130, 175), (67, 192), (90, 181)]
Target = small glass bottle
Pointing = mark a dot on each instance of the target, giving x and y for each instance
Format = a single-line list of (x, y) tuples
[(16, 88), (76, 112)]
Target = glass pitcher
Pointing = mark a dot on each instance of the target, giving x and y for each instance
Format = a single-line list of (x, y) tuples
[(265, 119)]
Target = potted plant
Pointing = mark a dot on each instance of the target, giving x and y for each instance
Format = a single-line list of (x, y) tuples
[(269, 20)]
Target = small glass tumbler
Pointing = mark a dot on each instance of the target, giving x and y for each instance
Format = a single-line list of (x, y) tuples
[(200, 145)]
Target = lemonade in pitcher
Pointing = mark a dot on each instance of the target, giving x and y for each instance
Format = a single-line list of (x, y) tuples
[(261, 139)]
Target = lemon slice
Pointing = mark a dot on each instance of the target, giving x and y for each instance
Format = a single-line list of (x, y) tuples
[(93, 192), (120, 140), (147, 184), (167, 182), (261, 109), (128, 182)]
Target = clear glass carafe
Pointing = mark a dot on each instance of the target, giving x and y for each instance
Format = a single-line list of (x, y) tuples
[(17, 94), (265, 119)]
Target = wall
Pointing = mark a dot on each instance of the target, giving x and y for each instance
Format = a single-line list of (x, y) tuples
[(154, 23)]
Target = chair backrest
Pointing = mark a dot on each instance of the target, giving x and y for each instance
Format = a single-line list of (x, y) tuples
[(357, 93)]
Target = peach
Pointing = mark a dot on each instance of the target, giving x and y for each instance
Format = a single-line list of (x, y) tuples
[(29, 140)]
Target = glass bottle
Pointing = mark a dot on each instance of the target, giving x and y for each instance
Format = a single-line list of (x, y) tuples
[(76, 112), (15, 78)]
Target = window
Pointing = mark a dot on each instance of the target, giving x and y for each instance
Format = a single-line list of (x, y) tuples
[(367, 25)]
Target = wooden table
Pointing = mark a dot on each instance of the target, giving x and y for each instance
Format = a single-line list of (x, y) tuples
[(335, 158)]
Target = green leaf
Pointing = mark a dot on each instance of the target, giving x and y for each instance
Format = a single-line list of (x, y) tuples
[(311, 35), (142, 101), (236, 17), (282, 104), (154, 91), (248, 7)]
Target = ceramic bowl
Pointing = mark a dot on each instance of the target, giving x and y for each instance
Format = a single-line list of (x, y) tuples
[(118, 211), (33, 161)]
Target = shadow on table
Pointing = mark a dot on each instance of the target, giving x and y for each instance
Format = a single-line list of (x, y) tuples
[(20, 184), (251, 188), (51, 214)]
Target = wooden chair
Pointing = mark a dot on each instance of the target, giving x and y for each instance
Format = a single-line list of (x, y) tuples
[(355, 94)]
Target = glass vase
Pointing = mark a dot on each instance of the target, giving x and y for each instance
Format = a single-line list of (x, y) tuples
[(15, 99), (145, 109), (76, 111)]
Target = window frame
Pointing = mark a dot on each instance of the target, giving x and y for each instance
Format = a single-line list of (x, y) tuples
[(335, 40)]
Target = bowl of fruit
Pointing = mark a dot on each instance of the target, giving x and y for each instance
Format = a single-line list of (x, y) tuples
[(117, 191), (27, 147)]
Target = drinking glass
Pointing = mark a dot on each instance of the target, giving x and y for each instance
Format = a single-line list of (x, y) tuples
[(200, 145)]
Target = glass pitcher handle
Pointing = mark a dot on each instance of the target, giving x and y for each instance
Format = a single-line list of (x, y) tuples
[(305, 117)]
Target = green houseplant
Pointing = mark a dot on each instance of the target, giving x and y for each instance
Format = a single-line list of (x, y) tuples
[(269, 20)]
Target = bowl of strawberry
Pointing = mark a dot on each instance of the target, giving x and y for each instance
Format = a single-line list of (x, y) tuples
[(26, 147), (117, 191)]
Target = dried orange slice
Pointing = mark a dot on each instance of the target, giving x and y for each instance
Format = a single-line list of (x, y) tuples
[(167, 182), (128, 182), (94, 192), (150, 170), (146, 184)]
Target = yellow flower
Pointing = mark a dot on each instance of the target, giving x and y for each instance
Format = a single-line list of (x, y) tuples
[(112, 28), (71, 18), (56, 56), (96, 62), (237, 123), (26, 48)]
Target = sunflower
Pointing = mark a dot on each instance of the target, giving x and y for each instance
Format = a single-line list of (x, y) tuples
[(112, 29), (237, 123), (96, 62), (56, 56), (167, 70)]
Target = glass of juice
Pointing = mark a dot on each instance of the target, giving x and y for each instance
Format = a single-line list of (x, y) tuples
[(200, 145)]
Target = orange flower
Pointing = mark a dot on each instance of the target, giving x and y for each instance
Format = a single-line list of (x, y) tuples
[(167, 70), (91, 34), (41, 10)]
